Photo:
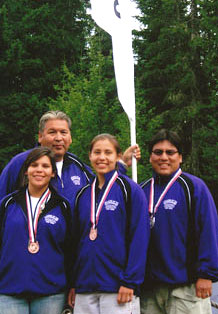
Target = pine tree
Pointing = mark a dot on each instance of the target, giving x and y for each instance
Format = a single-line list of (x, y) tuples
[(90, 99), (177, 76), (36, 38)]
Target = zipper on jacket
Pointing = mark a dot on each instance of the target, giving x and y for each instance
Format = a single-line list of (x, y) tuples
[(62, 183)]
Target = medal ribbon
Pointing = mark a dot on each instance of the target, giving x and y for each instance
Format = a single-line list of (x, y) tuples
[(95, 216), (153, 209), (33, 219)]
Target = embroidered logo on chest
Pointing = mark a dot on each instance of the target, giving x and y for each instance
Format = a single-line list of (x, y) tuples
[(76, 180), (111, 205), (169, 204), (51, 219)]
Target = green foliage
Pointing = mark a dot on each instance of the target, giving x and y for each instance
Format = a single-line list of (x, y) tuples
[(36, 38), (90, 98), (177, 78), (52, 56)]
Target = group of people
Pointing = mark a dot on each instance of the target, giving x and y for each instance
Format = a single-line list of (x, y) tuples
[(93, 238)]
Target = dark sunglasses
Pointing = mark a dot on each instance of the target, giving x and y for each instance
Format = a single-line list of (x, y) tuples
[(169, 152)]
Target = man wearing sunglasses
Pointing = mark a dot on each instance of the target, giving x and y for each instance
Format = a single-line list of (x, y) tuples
[(183, 251)]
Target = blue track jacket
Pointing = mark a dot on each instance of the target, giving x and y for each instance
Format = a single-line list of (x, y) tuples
[(75, 174), (118, 256), (45, 272), (170, 255)]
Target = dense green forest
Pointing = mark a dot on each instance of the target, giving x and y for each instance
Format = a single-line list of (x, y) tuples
[(53, 56)]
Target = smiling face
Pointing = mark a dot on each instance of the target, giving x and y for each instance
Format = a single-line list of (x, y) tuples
[(103, 156), (165, 164), (39, 174), (56, 135)]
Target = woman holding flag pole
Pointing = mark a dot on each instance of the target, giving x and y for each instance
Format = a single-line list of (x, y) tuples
[(113, 230), (35, 240)]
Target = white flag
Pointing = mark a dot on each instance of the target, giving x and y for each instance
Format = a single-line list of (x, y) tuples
[(115, 18)]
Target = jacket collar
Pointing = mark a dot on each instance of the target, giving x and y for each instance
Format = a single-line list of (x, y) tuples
[(107, 177), (163, 179)]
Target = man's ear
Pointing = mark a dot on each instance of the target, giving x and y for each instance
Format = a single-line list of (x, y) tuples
[(150, 159), (39, 137)]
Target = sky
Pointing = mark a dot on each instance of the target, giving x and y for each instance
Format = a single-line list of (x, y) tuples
[(135, 12)]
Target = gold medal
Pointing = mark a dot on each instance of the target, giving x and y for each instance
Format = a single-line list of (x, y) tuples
[(33, 247), (93, 234)]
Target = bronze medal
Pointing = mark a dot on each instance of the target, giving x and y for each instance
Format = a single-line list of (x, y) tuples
[(33, 247), (96, 208), (93, 234)]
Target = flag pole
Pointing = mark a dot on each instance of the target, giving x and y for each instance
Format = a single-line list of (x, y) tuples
[(133, 142), (114, 17)]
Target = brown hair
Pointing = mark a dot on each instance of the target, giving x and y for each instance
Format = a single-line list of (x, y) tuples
[(34, 155), (106, 136)]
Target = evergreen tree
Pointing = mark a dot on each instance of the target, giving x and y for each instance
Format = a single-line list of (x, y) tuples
[(177, 76), (36, 38), (90, 99)]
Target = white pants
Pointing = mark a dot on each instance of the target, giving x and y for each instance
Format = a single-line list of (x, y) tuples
[(166, 300), (104, 303)]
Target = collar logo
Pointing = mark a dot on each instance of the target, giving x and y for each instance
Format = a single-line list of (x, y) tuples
[(76, 180), (51, 219), (111, 205), (169, 204)]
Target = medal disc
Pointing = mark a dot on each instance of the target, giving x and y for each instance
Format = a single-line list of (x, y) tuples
[(33, 247), (93, 234), (152, 221)]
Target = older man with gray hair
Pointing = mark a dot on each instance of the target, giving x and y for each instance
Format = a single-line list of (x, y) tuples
[(72, 173)]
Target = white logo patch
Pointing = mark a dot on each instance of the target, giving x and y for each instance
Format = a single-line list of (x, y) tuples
[(76, 180), (169, 204), (51, 219), (111, 205)]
